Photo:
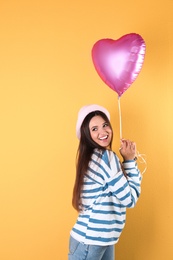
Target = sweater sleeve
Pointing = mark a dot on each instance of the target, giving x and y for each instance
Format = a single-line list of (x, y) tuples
[(126, 190)]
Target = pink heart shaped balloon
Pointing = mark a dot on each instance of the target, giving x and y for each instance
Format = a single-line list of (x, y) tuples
[(118, 62)]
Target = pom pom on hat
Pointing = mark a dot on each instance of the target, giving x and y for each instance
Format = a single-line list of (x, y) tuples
[(84, 111)]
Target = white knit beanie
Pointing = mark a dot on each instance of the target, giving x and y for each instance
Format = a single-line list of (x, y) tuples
[(84, 111)]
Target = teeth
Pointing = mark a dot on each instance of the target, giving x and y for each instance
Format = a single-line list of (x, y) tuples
[(102, 138)]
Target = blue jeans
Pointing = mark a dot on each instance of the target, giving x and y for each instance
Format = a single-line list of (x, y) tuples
[(80, 251)]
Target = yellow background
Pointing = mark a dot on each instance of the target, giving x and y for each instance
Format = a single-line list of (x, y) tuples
[(46, 75)]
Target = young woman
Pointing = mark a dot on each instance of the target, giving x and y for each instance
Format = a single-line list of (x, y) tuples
[(104, 187)]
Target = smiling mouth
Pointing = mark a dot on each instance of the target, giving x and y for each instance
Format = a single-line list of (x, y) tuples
[(104, 137)]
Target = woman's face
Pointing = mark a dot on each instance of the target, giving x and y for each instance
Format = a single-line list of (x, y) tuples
[(100, 131)]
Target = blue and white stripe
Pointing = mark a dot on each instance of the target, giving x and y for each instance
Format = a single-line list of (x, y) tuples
[(105, 196)]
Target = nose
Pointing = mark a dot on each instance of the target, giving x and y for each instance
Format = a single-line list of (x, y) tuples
[(102, 131)]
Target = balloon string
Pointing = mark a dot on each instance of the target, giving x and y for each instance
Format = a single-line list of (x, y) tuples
[(142, 160), (138, 155), (120, 118)]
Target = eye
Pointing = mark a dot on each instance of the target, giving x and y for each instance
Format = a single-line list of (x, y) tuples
[(105, 124), (94, 129)]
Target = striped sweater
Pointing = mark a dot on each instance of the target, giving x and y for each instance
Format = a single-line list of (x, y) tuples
[(105, 196)]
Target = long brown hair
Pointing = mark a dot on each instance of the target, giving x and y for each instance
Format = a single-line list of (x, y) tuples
[(84, 152)]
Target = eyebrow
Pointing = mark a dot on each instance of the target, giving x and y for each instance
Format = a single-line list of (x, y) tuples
[(94, 126)]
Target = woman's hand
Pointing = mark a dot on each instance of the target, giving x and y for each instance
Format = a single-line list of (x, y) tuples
[(127, 149)]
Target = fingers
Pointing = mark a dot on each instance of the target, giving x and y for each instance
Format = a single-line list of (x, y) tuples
[(127, 144), (127, 149)]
